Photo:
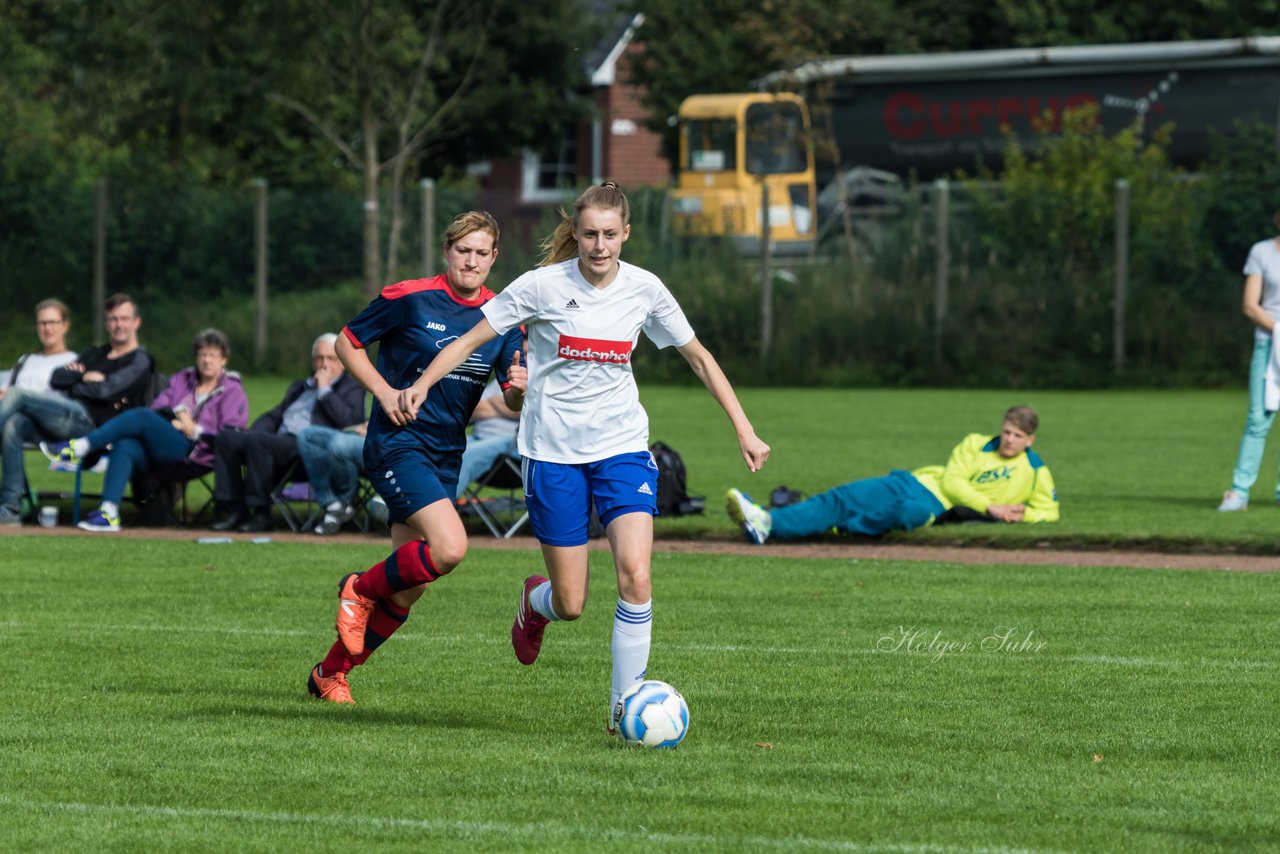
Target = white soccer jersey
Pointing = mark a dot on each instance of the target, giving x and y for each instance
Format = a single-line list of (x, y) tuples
[(582, 404)]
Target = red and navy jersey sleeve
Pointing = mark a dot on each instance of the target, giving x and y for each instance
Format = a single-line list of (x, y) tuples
[(380, 317)]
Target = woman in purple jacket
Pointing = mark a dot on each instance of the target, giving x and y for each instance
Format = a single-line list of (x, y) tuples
[(177, 429)]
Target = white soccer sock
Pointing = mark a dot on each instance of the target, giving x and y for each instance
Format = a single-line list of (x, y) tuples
[(80, 447), (540, 601), (109, 508), (632, 625)]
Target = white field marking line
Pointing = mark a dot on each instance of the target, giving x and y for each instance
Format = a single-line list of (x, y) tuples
[(521, 831), (422, 637), (409, 636), (1122, 661)]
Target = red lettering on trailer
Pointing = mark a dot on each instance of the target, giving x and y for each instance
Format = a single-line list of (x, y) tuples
[(910, 116)]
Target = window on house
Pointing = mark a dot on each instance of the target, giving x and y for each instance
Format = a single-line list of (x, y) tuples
[(547, 174)]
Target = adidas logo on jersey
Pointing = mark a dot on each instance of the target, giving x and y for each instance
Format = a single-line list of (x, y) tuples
[(644, 489), (573, 303)]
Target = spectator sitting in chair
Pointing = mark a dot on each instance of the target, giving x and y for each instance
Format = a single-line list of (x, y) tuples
[(493, 434), (247, 465), (33, 370), (176, 432), (334, 460), (990, 478), (83, 393), (30, 373)]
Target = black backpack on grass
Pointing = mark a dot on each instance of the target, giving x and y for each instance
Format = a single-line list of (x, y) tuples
[(673, 496)]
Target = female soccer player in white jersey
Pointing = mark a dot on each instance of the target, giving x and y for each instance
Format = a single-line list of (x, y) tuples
[(584, 435), (413, 462)]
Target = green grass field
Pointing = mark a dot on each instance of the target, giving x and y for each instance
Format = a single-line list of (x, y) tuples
[(155, 700), (1134, 469)]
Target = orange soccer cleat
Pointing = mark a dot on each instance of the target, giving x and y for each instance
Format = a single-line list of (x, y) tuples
[(332, 688), (353, 614)]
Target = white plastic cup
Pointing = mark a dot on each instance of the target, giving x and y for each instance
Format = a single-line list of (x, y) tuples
[(48, 516)]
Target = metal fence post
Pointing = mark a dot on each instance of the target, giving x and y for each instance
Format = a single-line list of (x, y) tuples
[(260, 272), (100, 257), (1122, 269), (428, 222), (942, 214), (766, 276)]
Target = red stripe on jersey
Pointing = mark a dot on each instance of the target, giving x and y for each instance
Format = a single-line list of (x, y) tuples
[(435, 283), (594, 350), (352, 338)]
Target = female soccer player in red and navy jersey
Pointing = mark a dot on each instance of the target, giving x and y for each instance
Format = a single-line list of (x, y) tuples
[(413, 461), (584, 435)]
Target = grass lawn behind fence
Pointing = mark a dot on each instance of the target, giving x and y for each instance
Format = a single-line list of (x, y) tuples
[(1133, 468), (155, 700)]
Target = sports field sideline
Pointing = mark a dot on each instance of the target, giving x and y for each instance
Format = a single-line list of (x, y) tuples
[(1135, 469)]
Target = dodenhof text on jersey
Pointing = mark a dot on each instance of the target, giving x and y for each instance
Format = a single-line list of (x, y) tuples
[(594, 350)]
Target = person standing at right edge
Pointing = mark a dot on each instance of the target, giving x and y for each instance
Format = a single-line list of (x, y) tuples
[(584, 435), (1261, 304)]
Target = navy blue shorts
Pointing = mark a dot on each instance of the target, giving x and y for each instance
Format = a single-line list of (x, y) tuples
[(559, 495), (408, 481)]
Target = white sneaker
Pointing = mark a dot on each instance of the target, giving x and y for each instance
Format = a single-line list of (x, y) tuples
[(336, 515), (755, 521), (1233, 500)]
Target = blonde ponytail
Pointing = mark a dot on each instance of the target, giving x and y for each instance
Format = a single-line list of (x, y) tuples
[(561, 245)]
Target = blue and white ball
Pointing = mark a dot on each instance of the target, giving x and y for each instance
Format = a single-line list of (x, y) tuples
[(652, 714)]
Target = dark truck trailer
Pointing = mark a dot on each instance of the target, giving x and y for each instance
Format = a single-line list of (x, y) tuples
[(933, 114)]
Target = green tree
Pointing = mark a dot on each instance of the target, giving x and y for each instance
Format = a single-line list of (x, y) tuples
[(1049, 223), (1244, 169), (399, 87), (367, 94), (170, 90)]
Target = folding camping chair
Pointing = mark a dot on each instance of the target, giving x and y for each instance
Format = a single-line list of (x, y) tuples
[(504, 517), (293, 489), (168, 489)]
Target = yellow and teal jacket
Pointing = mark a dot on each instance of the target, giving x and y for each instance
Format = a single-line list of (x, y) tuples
[(977, 476)]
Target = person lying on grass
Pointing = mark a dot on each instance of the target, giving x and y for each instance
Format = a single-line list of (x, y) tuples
[(988, 478)]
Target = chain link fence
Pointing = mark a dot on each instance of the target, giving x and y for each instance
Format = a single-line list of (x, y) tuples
[(930, 285)]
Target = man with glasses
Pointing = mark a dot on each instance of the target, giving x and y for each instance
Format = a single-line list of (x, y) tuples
[(32, 370), (79, 393), (247, 464)]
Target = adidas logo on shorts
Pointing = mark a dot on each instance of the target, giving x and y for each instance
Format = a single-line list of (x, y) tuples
[(644, 489)]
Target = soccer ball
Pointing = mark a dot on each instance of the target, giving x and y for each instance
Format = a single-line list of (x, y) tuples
[(652, 714)]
